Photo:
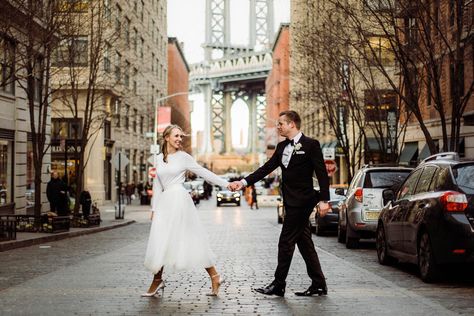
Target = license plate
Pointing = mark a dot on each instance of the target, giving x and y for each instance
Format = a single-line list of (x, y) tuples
[(371, 216)]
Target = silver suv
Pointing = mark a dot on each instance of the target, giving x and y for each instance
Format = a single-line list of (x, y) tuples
[(360, 211)]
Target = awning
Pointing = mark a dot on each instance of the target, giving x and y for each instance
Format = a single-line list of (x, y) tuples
[(425, 152), (372, 144), (408, 153)]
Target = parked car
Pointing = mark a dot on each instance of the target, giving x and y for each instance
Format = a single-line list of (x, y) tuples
[(193, 192), (360, 211), (224, 195), (429, 221), (329, 222)]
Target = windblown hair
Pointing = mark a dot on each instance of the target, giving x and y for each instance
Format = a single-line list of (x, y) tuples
[(166, 133), (292, 116)]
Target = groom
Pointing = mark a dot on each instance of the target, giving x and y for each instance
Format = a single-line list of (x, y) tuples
[(297, 156)]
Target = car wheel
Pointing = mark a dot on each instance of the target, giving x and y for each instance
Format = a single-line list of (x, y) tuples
[(429, 270), (317, 228), (381, 245), (218, 204), (341, 234), (238, 203), (351, 242)]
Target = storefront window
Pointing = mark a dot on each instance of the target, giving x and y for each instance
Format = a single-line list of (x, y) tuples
[(30, 175), (6, 187)]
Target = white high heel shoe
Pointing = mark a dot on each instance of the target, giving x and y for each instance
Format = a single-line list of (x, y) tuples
[(161, 286)]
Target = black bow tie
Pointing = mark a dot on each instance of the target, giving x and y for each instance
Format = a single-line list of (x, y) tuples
[(292, 142)]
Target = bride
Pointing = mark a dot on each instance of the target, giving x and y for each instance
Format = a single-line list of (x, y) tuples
[(177, 238)]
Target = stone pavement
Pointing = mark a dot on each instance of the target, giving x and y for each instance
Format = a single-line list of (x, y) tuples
[(25, 239), (103, 274)]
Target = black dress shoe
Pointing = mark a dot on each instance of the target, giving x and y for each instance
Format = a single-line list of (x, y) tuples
[(312, 291), (272, 289)]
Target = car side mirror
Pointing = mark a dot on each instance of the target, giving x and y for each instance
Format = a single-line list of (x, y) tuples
[(388, 195), (339, 191)]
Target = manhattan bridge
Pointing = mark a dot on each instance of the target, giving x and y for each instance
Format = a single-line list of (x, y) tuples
[(230, 73)]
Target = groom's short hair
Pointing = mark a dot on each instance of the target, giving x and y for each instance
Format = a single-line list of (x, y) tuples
[(292, 116)]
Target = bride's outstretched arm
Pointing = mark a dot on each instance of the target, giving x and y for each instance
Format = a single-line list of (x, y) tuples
[(209, 176)]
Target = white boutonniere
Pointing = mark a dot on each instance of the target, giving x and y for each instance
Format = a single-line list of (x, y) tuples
[(296, 148)]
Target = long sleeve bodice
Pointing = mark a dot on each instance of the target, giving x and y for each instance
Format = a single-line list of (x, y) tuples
[(174, 172)]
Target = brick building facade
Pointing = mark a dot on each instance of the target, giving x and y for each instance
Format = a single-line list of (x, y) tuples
[(178, 83), (277, 85)]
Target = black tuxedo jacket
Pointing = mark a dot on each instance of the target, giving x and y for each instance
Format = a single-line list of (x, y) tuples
[(297, 179)]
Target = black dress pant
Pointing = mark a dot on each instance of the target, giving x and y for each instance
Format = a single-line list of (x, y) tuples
[(297, 231)]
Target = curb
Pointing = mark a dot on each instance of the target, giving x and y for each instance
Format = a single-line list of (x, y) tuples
[(9, 245)]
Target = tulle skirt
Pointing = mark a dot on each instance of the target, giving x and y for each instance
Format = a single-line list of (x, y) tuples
[(177, 240)]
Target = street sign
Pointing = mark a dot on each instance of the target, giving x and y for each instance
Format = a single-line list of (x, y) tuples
[(152, 172), (120, 156), (331, 167), (329, 153)]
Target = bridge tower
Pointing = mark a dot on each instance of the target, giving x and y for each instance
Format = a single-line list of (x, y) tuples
[(230, 72)]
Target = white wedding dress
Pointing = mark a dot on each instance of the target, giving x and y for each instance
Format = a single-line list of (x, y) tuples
[(177, 238)]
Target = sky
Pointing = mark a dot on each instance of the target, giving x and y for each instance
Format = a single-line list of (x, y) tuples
[(186, 22)]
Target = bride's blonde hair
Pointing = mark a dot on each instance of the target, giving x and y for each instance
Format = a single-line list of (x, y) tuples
[(166, 133)]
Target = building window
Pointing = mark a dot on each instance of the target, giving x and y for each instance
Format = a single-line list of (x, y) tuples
[(379, 50), (135, 119), (141, 124), (107, 62), (118, 60), (65, 128), (117, 112), (142, 12), (127, 117), (378, 5), (7, 66), (126, 77), (118, 23), (107, 11), (38, 80), (6, 170), (135, 41), (72, 52), (107, 130), (142, 44), (127, 31), (452, 10), (74, 6)]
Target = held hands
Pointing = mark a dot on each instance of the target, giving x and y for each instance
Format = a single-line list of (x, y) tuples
[(323, 208), (235, 186)]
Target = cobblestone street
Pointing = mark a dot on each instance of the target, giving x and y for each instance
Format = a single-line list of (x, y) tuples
[(103, 274)]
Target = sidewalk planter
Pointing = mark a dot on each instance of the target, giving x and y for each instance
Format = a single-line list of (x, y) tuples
[(57, 224), (7, 228), (92, 221)]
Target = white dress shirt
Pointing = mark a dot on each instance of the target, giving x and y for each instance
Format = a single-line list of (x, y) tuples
[(286, 156)]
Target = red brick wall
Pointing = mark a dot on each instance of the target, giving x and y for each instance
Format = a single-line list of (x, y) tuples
[(277, 85), (178, 81)]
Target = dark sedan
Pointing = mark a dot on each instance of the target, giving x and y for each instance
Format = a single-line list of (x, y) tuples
[(321, 225), (429, 221), (226, 196)]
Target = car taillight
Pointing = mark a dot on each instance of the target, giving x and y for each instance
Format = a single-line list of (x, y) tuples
[(358, 194), (454, 201)]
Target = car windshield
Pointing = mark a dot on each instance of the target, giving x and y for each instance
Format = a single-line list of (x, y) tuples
[(464, 176), (381, 179), (335, 197)]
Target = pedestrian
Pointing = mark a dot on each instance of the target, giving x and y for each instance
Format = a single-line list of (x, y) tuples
[(56, 192), (85, 200), (122, 189), (149, 192), (177, 238), (298, 157), (254, 197), (129, 191)]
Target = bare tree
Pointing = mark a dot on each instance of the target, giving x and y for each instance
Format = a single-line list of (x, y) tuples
[(423, 41), (35, 25), (341, 79), (85, 74)]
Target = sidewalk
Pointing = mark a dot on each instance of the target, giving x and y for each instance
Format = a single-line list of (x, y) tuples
[(107, 213)]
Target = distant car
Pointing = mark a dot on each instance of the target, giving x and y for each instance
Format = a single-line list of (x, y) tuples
[(429, 221), (192, 192), (225, 196), (329, 222), (360, 211)]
